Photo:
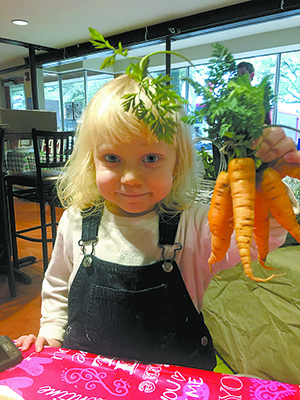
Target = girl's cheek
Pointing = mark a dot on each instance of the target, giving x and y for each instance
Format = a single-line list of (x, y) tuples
[(105, 179)]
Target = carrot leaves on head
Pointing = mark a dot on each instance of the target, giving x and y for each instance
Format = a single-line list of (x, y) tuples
[(165, 102)]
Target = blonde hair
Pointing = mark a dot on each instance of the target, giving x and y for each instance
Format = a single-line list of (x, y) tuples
[(105, 119)]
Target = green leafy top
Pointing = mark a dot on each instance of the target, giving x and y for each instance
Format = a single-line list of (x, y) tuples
[(233, 108), (164, 100)]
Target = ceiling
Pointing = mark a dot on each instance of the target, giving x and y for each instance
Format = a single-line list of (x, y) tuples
[(58, 24)]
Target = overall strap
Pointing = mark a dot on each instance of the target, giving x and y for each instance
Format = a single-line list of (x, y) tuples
[(90, 225), (168, 225)]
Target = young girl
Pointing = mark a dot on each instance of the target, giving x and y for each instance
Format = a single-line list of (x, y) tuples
[(129, 268)]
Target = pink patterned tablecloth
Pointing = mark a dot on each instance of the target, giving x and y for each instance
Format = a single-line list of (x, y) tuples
[(61, 374)]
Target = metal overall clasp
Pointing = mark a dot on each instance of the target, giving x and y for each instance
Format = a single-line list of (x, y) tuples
[(168, 262), (87, 258)]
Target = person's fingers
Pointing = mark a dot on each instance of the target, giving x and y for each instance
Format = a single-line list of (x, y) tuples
[(26, 341), (40, 343), (20, 340), (256, 143), (272, 144), (292, 157), (273, 134), (277, 150)]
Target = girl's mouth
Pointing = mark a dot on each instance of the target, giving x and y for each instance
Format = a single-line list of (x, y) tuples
[(132, 195)]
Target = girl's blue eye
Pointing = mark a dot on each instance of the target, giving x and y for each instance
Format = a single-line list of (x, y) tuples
[(111, 158), (151, 158)]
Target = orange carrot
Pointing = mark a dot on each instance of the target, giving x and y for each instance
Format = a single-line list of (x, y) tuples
[(273, 189), (242, 182), (285, 168), (220, 219), (261, 228)]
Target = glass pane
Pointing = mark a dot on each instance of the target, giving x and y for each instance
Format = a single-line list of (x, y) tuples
[(73, 98), (197, 74), (17, 97), (95, 81), (51, 93), (289, 93), (179, 85)]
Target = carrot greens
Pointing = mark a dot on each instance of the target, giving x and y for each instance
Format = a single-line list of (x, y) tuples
[(165, 102), (233, 109)]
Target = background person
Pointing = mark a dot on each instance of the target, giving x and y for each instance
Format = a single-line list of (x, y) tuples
[(246, 68)]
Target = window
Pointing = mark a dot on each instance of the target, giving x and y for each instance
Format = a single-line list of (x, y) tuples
[(73, 94), (288, 107), (79, 86), (17, 97), (52, 96), (68, 93), (198, 74), (95, 81)]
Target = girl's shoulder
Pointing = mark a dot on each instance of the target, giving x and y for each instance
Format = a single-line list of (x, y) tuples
[(194, 217), (71, 219), (196, 211)]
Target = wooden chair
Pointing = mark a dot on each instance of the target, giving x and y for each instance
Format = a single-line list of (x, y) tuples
[(52, 150)]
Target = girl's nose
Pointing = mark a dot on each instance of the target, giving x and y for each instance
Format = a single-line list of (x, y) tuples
[(131, 177)]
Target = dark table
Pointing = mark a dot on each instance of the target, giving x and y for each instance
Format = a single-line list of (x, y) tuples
[(13, 274)]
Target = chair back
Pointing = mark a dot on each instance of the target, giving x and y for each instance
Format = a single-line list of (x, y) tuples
[(52, 149), (2, 133)]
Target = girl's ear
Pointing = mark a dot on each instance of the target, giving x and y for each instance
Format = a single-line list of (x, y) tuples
[(175, 169)]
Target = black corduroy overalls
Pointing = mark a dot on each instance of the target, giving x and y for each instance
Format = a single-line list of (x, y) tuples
[(141, 313)]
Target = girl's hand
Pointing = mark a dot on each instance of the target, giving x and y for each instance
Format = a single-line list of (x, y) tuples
[(25, 342), (274, 144)]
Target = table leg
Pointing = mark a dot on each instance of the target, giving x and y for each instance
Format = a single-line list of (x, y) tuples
[(5, 259), (24, 262), (13, 274)]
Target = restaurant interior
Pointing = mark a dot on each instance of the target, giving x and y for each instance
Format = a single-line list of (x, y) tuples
[(49, 71)]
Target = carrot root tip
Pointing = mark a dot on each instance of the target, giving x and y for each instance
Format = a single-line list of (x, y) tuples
[(254, 278)]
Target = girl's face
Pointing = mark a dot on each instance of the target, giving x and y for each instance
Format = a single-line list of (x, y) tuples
[(133, 178)]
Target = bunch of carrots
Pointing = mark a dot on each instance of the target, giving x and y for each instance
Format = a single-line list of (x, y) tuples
[(243, 201), (249, 191)]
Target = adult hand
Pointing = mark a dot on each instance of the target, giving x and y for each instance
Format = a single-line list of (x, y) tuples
[(292, 157), (274, 144)]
